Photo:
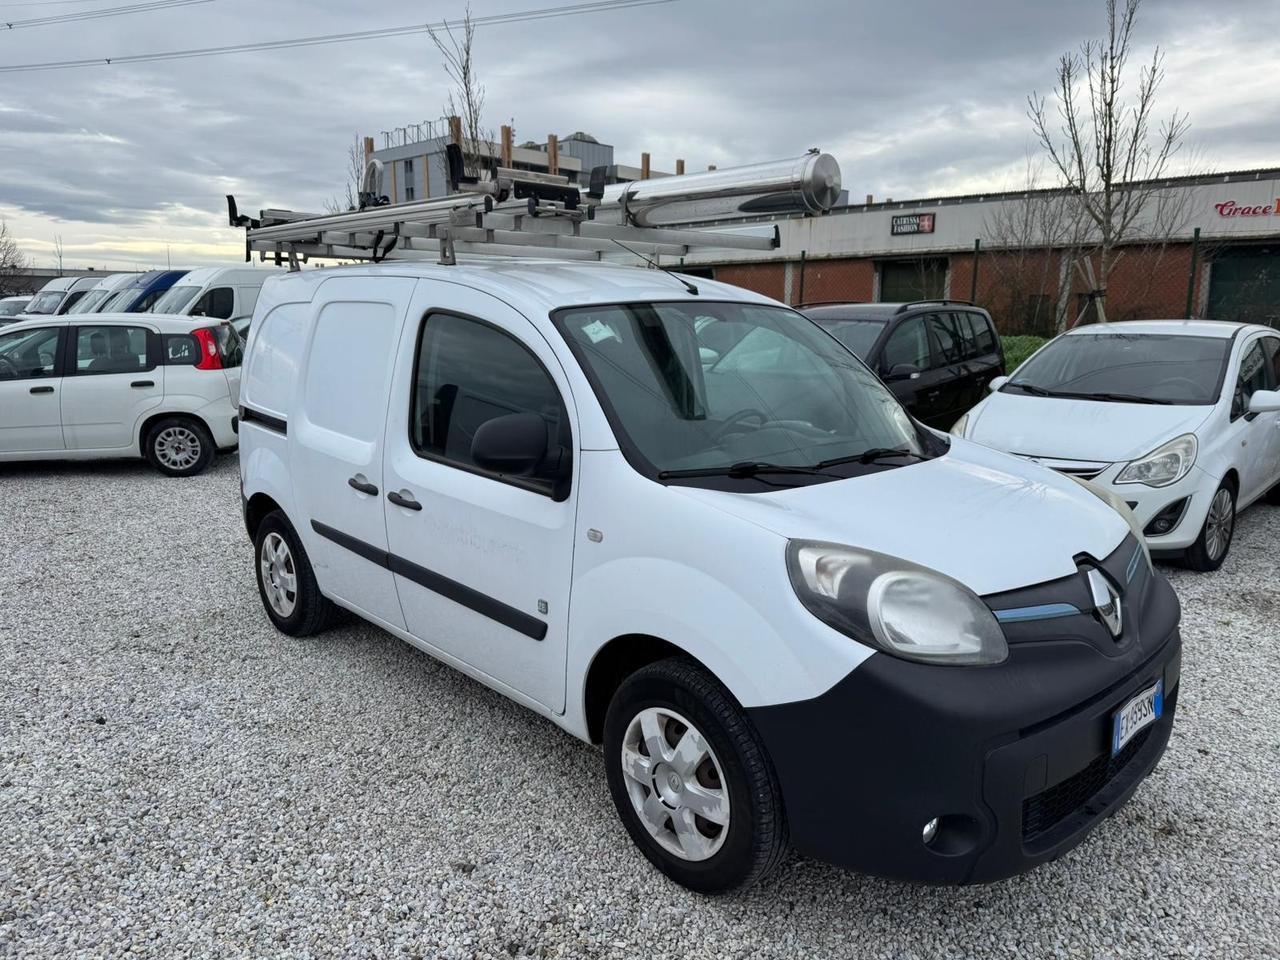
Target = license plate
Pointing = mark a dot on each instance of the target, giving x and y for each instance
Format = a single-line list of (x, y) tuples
[(1139, 713)]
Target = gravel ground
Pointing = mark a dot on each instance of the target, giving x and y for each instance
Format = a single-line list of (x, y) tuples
[(177, 779)]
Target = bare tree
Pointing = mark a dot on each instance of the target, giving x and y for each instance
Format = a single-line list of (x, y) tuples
[(1106, 148), (12, 261), (57, 250), (466, 100), (354, 173)]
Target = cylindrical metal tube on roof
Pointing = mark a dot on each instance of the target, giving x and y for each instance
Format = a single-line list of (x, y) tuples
[(806, 184)]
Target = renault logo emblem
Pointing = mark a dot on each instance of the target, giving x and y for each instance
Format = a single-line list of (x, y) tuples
[(1107, 602)]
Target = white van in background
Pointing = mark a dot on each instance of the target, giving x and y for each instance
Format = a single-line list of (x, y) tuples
[(219, 292), (96, 298), (59, 295)]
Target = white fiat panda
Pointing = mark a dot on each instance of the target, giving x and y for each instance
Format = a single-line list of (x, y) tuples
[(680, 520)]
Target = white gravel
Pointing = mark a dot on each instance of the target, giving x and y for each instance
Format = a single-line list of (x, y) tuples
[(177, 779)]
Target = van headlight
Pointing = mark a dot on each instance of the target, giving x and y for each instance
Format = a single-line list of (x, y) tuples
[(899, 607), (1164, 465)]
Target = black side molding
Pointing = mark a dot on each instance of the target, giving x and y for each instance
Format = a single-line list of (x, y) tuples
[(265, 420), (481, 603)]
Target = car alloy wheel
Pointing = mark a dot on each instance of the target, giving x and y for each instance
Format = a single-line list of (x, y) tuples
[(178, 447), (279, 577), (676, 784), (1220, 524)]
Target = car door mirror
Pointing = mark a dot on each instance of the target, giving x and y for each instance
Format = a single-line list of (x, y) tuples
[(1264, 401), (996, 383), (513, 445), (903, 371)]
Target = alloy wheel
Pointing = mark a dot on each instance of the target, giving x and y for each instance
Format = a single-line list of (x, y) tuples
[(676, 784), (1220, 523)]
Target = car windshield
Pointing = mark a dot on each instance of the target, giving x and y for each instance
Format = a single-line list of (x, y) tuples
[(1136, 368), (719, 386), (44, 303), (90, 301), (12, 308), (858, 335), (175, 299)]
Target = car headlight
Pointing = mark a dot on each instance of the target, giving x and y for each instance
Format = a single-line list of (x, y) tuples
[(896, 606), (1164, 465), (1120, 507), (957, 428)]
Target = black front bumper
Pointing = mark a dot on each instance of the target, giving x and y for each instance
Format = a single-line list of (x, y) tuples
[(1014, 760)]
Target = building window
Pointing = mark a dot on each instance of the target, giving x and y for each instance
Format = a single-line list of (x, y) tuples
[(408, 192)]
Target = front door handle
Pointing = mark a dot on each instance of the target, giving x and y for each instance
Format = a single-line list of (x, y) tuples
[(400, 500), (143, 383), (42, 389), (359, 482)]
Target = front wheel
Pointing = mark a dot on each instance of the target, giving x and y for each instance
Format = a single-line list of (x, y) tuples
[(690, 779), (1211, 547)]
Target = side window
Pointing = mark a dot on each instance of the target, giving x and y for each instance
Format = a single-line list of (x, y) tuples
[(1271, 346), (353, 342), (951, 348), (111, 349), (468, 373), (146, 303), (218, 303), (909, 343), (181, 349), (29, 354), (980, 333), (1254, 375)]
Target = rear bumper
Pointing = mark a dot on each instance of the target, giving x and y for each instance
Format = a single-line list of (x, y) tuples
[(1014, 779)]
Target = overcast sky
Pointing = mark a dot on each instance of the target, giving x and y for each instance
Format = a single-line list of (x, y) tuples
[(129, 163)]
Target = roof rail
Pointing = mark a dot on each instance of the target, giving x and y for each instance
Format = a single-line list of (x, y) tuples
[(827, 303), (924, 303), (516, 213)]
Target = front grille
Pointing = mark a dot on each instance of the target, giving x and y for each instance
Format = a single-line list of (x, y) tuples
[(1082, 474), (1047, 809)]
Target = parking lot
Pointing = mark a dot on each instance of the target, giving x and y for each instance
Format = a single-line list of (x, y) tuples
[(179, 779)]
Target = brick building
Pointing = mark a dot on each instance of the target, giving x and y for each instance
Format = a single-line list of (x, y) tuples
[(1025, 271)]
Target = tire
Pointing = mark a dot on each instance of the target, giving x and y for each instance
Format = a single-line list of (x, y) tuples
[(1273, 495), (681, 703), (178, 446), (1214, 542), (286, 582)]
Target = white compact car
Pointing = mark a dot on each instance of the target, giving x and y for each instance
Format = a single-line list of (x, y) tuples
[(1180, 419), (11, 308), (119, 385), (789, 612)]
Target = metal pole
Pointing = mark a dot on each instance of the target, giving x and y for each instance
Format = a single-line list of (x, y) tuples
[(802, 259), (1191, 278), (973, 281)]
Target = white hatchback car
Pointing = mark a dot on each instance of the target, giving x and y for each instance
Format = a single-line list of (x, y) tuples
[(1178, 418), (77, 387), (786, 609)]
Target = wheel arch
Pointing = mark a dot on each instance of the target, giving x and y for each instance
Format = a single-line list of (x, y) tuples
[(612, 664), (152, 419)]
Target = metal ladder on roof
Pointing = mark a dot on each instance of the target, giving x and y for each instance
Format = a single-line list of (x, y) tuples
[(517, 213)]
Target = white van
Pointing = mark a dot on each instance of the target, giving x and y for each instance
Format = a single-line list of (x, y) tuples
[(96, 298), (789, 612), (59, 295), (223, 293)]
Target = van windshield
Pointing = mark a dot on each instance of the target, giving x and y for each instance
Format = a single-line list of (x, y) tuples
[(90, 301), (722, 387), (175, 299), (44, 303)]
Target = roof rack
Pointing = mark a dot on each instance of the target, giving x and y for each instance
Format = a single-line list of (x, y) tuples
[(924, 303), (517, 213), (828, 303)]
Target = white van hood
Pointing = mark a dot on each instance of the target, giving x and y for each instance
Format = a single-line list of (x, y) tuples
[(1079, 429), (991, 521)]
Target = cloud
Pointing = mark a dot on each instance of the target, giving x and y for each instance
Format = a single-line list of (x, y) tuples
[(915, 98)]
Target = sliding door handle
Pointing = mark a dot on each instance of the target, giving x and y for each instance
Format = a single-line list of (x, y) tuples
[(400, 500), (358, 482)]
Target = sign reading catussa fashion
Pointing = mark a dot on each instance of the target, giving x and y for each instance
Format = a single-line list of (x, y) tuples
[(1229, 208)]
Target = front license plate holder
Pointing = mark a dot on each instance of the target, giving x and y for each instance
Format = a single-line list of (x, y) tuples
[(1138, 713)]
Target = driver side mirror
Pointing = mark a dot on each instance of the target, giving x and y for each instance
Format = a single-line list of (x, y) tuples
[(513, 445), (903, 371), (1264, 401), (996, 383)]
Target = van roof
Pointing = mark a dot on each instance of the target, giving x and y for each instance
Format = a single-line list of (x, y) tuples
[(548, 284), (203, 276)]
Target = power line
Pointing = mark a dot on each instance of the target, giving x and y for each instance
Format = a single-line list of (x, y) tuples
[(48, 3), (525, 16), (100, 13)]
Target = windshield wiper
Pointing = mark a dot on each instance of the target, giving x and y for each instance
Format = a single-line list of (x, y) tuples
[(1032, 389), (1120, 398), (870, 456), (746, 468)]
